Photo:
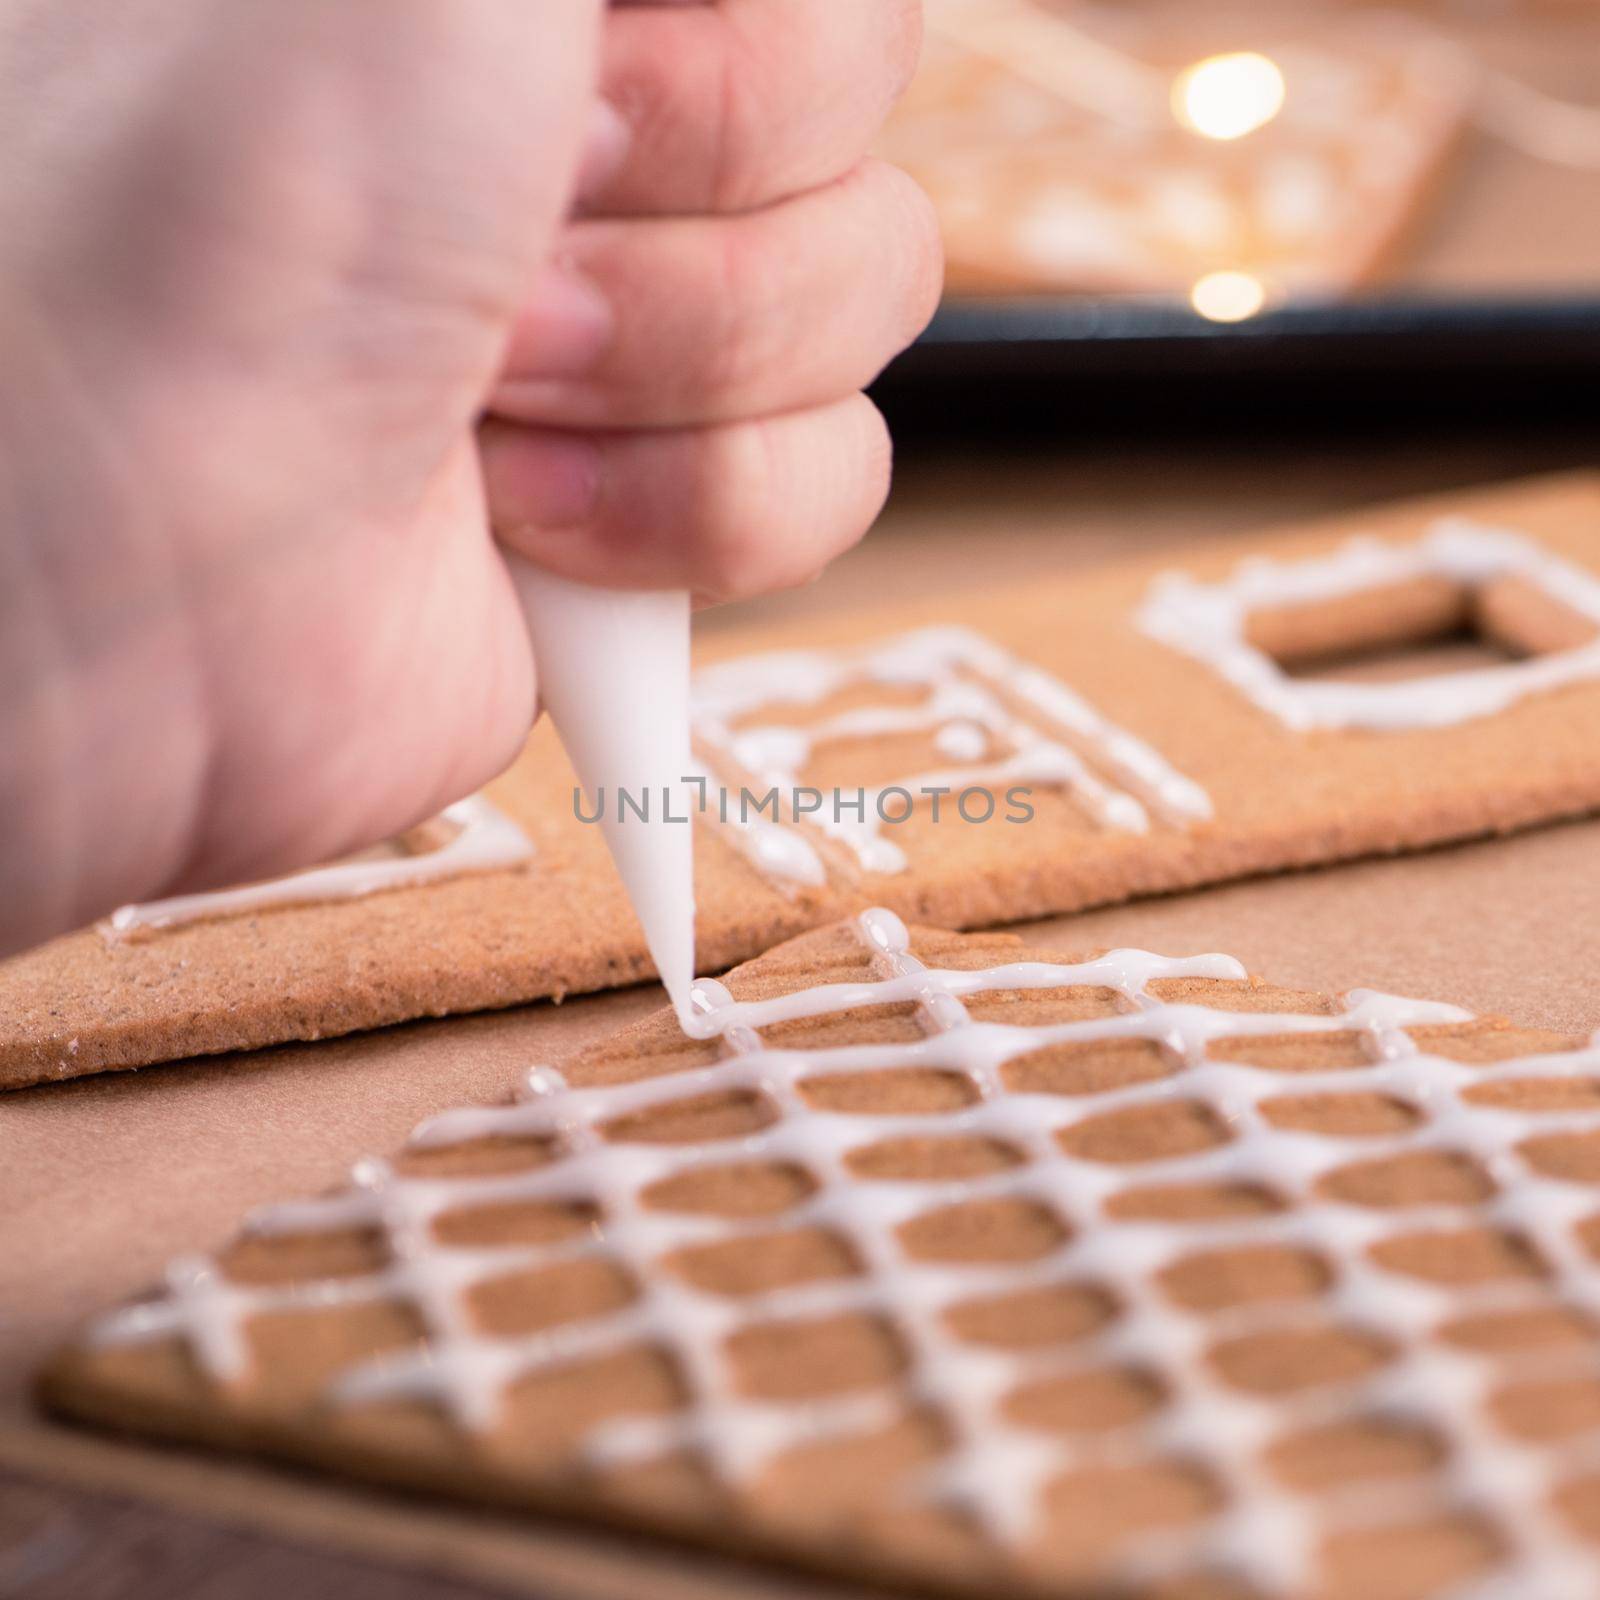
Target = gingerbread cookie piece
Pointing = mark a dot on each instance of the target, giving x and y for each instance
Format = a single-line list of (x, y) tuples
[(1075, 158), (1020, 754), (503, 899), (945, 1261)]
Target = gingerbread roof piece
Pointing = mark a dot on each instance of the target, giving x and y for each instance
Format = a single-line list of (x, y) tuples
[(946, 1261)]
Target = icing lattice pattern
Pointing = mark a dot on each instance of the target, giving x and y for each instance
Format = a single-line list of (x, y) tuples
[(1000, 721), (995, 1469)]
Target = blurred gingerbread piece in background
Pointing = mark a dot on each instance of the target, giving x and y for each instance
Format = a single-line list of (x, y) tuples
[(1072, 151)]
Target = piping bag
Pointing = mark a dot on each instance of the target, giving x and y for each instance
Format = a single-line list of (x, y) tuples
[(614, 675)]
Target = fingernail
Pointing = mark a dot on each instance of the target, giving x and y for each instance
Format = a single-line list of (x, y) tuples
[(605, 148), (542, 482), (564, 329)]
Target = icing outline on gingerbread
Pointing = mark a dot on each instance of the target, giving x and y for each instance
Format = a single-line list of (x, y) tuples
[(483, 839), (1113, 776), (1208, 622)]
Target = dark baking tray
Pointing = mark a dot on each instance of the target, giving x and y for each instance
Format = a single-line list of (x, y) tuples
[(1417, 352), (1073, 337)]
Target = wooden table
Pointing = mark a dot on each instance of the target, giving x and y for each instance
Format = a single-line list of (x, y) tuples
[(81, 1180)]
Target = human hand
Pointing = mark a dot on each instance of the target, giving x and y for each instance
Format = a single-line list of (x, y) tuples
[(266, 268), (679, 402)]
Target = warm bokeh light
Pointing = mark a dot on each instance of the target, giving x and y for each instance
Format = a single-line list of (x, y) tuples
[(1226, 97), (1228, 296)]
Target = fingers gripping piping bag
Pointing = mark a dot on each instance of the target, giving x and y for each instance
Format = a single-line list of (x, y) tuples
[(614, 675)]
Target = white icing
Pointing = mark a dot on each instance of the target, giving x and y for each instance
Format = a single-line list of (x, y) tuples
[(1047, 50), (484, 840), (1074, 230), (1297, 197), (1191, 207), (963, 678), (1325, 94), (782, 854), (1208, 621), (994, 1468), (962, 741), (1015, 110), (1564, 132)]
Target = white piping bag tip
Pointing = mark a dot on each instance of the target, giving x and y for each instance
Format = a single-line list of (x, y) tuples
[(613, 670)]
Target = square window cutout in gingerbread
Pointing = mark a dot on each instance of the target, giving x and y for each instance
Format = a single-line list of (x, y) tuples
[(1280, 631)]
